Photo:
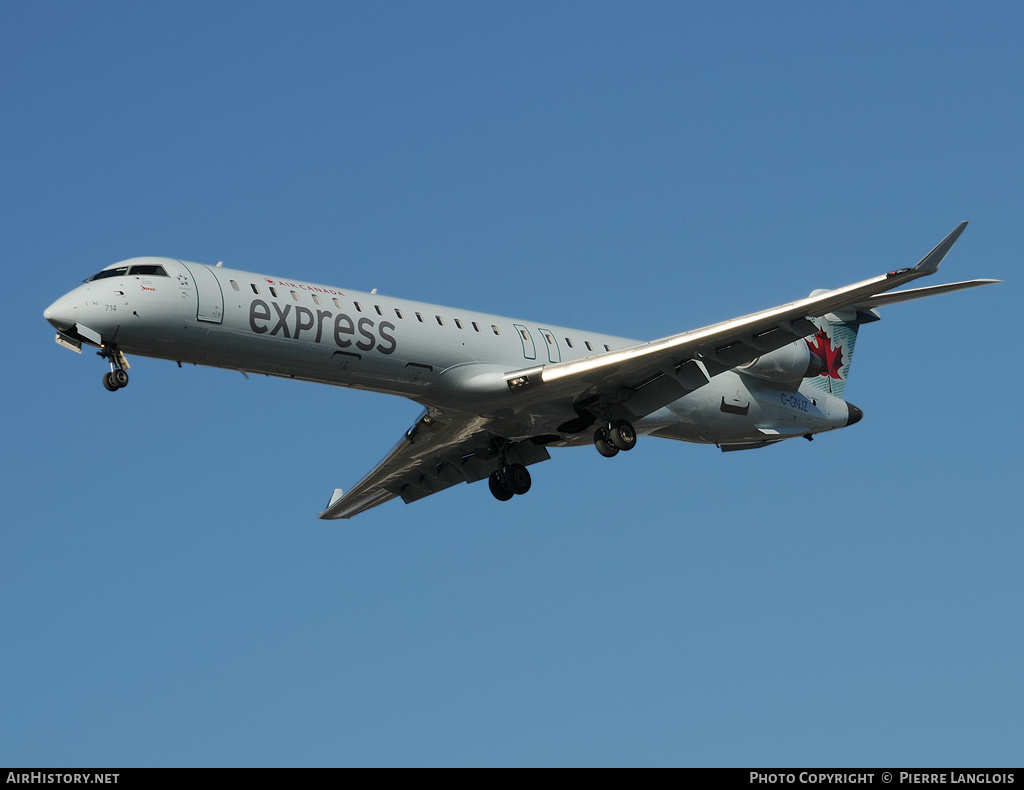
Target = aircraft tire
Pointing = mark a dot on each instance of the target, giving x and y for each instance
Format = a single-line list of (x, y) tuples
[(517, 477), (120, 378), (108, 382), (498, 487), (603, 444), (623, 435)]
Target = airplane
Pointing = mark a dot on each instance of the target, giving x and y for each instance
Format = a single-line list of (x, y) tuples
[(498, 393)]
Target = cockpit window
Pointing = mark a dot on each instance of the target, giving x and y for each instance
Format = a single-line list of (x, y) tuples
[(152, 269), (119, 271), (146, 269)]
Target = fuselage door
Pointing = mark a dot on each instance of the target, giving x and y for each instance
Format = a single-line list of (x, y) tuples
[(554, 353), (529, 349), (211, 297)]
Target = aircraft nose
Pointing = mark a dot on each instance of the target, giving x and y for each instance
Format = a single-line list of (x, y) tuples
[(61, 314), (856, 415)]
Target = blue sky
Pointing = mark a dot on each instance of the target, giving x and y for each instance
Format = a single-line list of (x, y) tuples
[(167, 596)]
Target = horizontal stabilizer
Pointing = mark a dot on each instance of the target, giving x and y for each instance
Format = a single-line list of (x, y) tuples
[(917, 293)]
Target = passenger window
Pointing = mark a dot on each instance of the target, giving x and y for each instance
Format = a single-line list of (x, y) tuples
[(377, 308), (234, 284), (273, 291), (295, 296), (316, 299), (439, 321), (255, 290), (419, 317), (607, 347), (476, 326), (399, 313), (358, 306), (336, 303), (587, 344), (551, 340), (496, 330), (458, 323), (568, 342)]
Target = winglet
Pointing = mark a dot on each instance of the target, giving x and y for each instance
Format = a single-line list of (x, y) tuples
[(929, 264), (338, 494)]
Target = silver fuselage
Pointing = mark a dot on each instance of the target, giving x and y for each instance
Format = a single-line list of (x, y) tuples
[(447, 359)]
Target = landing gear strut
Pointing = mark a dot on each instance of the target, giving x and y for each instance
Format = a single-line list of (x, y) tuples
[(118, 375), (508, 481), (610, 439)]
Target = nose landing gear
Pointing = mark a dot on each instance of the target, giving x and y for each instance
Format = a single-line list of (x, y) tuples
[(118, 375), (114, 380)]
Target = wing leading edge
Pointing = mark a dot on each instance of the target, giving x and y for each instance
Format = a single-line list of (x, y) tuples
[(680, 363)]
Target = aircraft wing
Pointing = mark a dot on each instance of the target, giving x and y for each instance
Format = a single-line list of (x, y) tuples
[(441, 450), (651, 375), (437, 452)]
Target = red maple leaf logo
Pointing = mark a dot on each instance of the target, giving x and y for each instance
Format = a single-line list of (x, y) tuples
[(831, 357)]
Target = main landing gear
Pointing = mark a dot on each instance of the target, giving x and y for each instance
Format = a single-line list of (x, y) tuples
[(610, 439), (514, 478), (509, 481), (118, 375)]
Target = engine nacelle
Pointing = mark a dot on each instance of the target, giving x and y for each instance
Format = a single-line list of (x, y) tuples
[(787, 364)]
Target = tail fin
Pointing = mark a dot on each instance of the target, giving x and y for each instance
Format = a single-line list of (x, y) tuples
[(833, 344)]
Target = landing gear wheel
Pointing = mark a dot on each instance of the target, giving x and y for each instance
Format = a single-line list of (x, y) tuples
[(602, 441), (517, 478), (499, 488), (118, 375), (623, 435)]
